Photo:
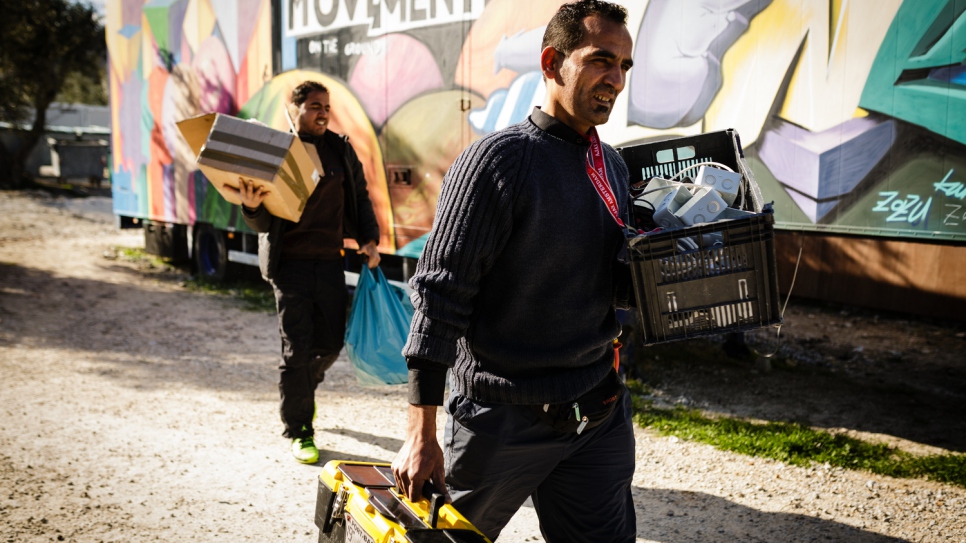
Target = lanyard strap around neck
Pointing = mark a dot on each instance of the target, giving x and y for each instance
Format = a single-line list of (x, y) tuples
[(597, 172)]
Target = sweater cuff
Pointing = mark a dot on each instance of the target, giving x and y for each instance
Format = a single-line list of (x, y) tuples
[(426, 346), (427, 380)]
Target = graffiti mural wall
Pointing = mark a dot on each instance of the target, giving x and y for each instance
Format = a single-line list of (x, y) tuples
[(170, 60), (852, 113)]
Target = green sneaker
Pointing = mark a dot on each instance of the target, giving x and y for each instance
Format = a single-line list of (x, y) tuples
[(304, 450)]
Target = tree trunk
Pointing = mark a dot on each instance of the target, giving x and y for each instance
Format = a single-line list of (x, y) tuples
[(6, 159), (15, 176)]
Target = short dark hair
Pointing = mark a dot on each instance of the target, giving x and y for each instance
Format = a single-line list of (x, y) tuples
[(301, 92), (565, 30)]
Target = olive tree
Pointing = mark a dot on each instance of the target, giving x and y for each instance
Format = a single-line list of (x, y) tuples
[(43, 43)]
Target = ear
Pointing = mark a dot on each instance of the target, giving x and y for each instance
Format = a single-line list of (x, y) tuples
[(550, 61), (293, 109)]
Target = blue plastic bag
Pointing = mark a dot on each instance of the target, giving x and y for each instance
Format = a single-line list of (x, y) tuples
[(377, 329)]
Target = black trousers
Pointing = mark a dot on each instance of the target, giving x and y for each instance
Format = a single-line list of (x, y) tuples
[(311, 299), (497, 455)]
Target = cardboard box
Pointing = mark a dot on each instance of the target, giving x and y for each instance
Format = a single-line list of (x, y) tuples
[(229, 149)]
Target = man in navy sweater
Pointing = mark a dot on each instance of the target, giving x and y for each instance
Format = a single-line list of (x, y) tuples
[(516, 292)]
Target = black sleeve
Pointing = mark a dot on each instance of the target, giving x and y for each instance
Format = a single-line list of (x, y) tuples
[(367, 228), (259, 219), (474, 213), (427, 380)]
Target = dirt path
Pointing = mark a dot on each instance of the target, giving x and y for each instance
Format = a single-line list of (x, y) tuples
[(133, 410)]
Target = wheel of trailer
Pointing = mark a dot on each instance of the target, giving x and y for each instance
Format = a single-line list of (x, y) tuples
[(211, 253)]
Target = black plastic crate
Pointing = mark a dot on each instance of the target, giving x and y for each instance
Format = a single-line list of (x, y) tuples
[(669, 157), (710, 278), (690, 283), (666, 158)]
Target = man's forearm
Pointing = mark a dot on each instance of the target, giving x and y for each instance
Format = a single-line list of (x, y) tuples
[(422, 421)]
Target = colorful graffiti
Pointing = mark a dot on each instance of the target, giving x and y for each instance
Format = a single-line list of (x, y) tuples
[(170, 60), (852, 114)]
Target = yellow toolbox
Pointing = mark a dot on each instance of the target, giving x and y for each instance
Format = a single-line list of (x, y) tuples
[(358, 502)]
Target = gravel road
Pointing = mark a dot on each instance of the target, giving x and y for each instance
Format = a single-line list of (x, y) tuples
[(134, 410)]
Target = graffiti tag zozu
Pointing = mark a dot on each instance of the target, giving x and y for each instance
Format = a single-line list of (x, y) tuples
[(910, 209)]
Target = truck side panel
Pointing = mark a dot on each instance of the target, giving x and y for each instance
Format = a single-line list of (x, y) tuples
[(851, 113)]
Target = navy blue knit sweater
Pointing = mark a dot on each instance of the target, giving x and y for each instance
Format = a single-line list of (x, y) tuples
[(516, 286)]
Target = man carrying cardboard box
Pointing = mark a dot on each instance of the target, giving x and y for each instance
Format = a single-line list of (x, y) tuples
[(303, 262)]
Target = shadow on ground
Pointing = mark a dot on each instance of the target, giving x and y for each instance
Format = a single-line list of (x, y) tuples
[(678, 516), (834, 387), (388, 443), (149, 336), (326, 455)]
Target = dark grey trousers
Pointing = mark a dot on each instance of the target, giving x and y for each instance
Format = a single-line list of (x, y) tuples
[(311, 299), (498, 455)]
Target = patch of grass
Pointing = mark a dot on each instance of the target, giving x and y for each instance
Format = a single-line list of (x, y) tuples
[(139, 256), (256, 296), (794, 443)]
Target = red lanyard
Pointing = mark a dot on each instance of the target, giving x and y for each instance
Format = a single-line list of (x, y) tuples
[(598, 176)]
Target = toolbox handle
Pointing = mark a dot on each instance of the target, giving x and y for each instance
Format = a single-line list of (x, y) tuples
[(436, 501)]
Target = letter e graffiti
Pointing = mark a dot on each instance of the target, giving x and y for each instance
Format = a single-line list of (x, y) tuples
[(415, 13), (952, 219)]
